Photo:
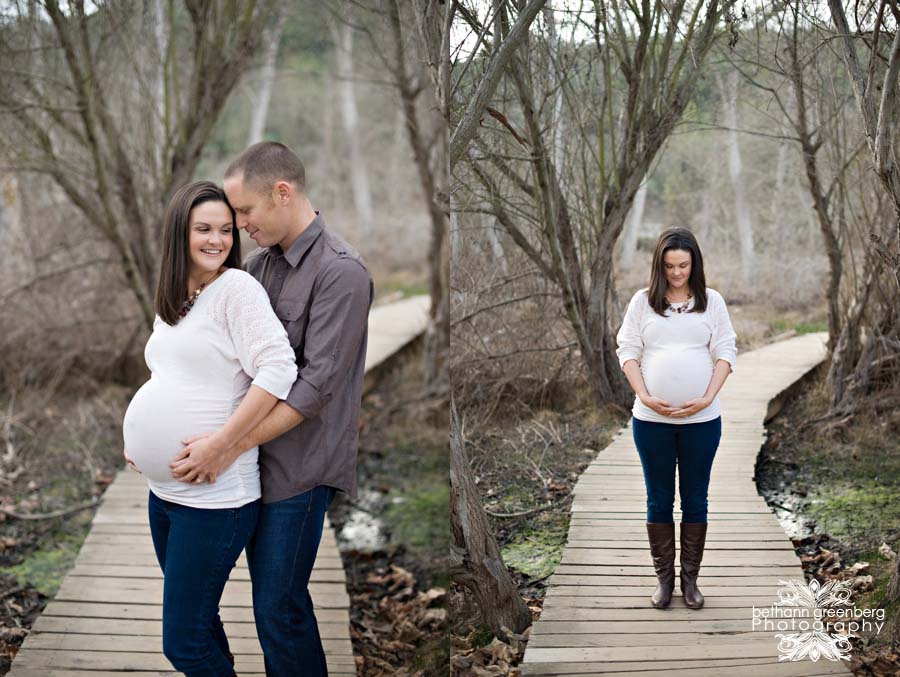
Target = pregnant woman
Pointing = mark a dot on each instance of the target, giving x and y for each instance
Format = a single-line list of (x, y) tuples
[(677, 347), (219, 360)]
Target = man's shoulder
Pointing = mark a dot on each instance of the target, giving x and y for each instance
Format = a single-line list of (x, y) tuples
[(336, 248), (253, 260)]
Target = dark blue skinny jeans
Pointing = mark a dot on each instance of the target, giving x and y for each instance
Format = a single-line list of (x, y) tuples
[(689, 446), (197, 549), (281, 556)]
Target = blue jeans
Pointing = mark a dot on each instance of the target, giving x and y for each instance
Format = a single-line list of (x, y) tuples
[(281, 557), (196, 549), (690, 446)]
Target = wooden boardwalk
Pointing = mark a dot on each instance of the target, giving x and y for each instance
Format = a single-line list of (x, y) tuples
[(597, 618), (106, 617)]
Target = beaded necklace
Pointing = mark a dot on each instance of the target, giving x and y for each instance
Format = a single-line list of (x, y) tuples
[(193, 297), (680, 309)]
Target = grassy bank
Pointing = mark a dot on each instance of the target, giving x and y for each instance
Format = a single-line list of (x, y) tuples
[(847, 480)]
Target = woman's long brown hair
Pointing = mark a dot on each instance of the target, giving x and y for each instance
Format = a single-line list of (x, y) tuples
[(683, 239), (174, 273)]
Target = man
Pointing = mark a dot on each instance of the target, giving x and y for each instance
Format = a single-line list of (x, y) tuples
[(321, 290)]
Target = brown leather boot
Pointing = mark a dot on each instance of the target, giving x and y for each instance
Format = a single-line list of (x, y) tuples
[(662, 549), (693, 540)]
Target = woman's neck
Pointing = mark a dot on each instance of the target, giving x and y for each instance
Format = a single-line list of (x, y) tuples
[(195, 279), (678, 295)]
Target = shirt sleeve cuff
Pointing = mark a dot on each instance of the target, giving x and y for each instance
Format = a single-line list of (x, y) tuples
[(729, 357), (305, 398), (625, 355), (275, 381)]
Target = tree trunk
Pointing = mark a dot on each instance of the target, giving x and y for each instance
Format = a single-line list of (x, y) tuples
[(475, 559), (434, 179), (633, 226), (260, 109), (735, 171), (557, 123), (359, 174)]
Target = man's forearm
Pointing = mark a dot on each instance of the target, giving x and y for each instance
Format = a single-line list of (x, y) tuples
[(278, 421)]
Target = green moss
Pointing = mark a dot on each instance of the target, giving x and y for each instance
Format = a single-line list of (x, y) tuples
[(45, 568), (852, 511), (481, 636), (880, 569), (536, 549), (811, 327), (420, 517), (434, 657), (405, 288)]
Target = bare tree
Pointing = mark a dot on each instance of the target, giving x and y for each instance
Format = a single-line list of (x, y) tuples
[(79, 113), (624, 94)]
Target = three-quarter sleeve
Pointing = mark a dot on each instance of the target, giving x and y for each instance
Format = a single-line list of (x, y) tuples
[(338, 319), (259, 338), (629, 341), (722, 344)]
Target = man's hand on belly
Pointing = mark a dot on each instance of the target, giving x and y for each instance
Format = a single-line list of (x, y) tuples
[(204, 457)]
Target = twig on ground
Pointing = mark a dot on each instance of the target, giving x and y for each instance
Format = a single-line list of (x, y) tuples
[(48, 515), (532, 511)]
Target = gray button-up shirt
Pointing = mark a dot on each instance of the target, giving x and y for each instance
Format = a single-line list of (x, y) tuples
[(321, 291)]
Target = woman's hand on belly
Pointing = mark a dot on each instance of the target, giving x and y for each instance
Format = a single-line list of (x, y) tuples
[(130, 462), (691, 407), (659, 405)]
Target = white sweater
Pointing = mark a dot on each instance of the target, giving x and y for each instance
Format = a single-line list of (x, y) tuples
[(201, 368), (676, 353)]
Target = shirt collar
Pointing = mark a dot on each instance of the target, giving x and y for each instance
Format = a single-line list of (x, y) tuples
[(302, 244)]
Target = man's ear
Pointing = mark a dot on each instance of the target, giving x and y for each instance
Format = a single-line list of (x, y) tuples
[(282, 192)]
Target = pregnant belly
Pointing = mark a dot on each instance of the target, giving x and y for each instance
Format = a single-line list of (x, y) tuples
[(160, 416), (677, 376)]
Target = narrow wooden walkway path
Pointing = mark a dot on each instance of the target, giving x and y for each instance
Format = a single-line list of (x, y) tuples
[(106, 617), (597, 617)]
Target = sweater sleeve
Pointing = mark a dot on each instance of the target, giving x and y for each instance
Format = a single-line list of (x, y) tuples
[(631, 346), (722, 344), (259, 338)]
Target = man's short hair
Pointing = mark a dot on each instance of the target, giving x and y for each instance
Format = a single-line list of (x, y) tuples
[(267, 162)]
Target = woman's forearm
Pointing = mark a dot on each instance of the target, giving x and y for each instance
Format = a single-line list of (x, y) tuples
[(255, 406), (720, 373), (633, 373)]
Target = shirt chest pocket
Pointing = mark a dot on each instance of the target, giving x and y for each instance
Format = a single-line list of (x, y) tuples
[(293, 315)]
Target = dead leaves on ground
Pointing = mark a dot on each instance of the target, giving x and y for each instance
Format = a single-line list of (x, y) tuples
[(496, 658), (393, 621)]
